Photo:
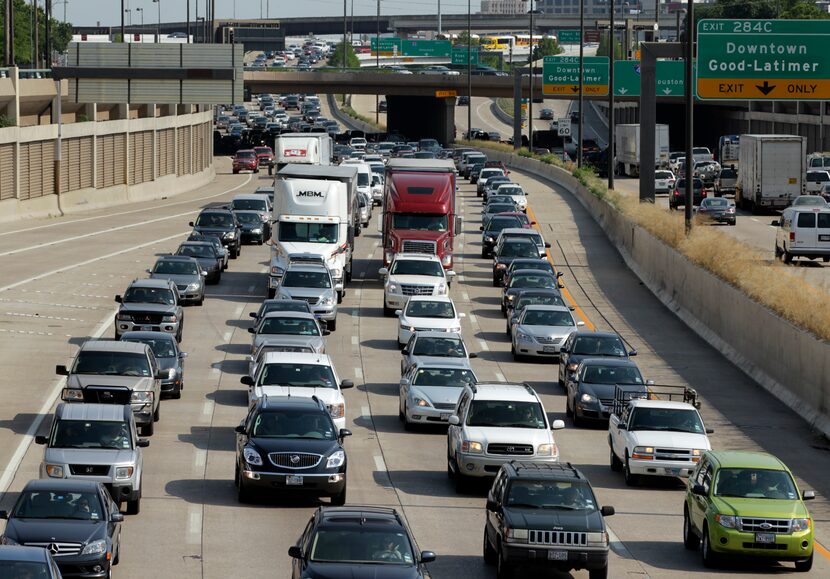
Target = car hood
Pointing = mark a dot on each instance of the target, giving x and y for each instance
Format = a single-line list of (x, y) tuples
[(131, 382), (416, 279), (167, 363), (314, 342), (301, 292), (358, 571), (177, 279), (545, 331), (89, 456), (211, 230), (761, 508), (267, 445), (420, 235), (326, 395), (488, 434), (431, 323), (299, 247), (147, 307), (57, 530), (438, 394), (664, 439), (554, 520), (207, 262)]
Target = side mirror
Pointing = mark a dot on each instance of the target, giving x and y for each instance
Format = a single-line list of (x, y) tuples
[(481, 228), (251, 330), (142, 443), (808, 495), (473, 355), (247, 380), (119, 299), (191, 224), (547, 246), (117, 517), (338, 287), (398, 313), (461, 315), (383, 271), (558, 425), (325, 331), (148, 271), (346, 384), (344, 432), (632, 353), (182, 355), (580, 323), (4, 514), (252, 314), (559, 274), (450, 273), (427, 556), (40, 439), (61, 370), (161, 375), (240, 429), (533, 223), (454, 420), (295, 552), (203, 273), (699, 490), (775, 223), (607, 511), (493, 506), (710, 431), (622, 426), (649, 382)]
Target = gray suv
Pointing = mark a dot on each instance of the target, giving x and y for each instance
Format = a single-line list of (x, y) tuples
[(312, 283), (109, 372), (186, 273), (99, 443), (150, 305)]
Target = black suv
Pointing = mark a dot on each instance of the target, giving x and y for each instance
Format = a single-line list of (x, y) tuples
[(358, 542), (509, 249), (545, 516), (223, 224), (290, 444)]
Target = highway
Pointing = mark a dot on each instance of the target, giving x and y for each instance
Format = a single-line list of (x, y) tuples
[(59, 280)]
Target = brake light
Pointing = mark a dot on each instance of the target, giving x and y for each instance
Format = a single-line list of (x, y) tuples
[(792, 235)]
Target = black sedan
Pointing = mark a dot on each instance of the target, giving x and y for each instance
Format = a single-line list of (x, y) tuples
[(590, 393), (168, 356), (546, 114), (491, 230), (205, 253), (252, 226), (223, 224), (523, 279), (508, 250), (279, 305), (527, 263), (78, 518), (216, 242), (581, 345)]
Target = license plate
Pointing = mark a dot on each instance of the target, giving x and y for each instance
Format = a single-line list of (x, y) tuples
[(549, 348), (764, 538), (673, 471), (293, 480), (445, 416), (824, 237), (146, 329), (558, 555)]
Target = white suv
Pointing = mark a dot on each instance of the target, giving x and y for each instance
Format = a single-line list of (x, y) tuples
[(413, 274), (495, 423)]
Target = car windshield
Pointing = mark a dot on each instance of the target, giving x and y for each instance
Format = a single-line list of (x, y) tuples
[(300, 375), (532, 280), (510, 190), (598, 346), (718, 202), (308, 232), (363, 179), (111, 364), (543, 494), (538, 264), (547, 318), (755, 483), (417, 267), (442, 347), (293, 424), (728, 174), (430, 309), (450, 377), (309, 279), (810, 200), (361, 544), (44, 504), (11, 569), (214, 220), (487, 173), (197, 250), (250, 205), (596, 374), (551, 300), (506, 414), (662, 175), (500, 199), (284, 306), (246, 218), (497, 223), (245, 154), (420, 221), (518, 249), (146, 295), (167, 267), (500, 207), (667, 419), (161, 347), (91, 434), (289, 326)]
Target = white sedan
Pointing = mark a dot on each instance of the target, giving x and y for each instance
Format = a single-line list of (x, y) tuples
[(663, 181), (427, 314)]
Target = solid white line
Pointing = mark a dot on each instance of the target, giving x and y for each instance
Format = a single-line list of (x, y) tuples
[(466, 296), (358, 373), (251, 288), (364, 411), (369, 256), (194, 525), (618, 546), (355, 340), (239, 310), (110, 215), (357, 293), (379, 464), (20, 452), (227, 337), (483, 345), (473, 319), (500, 377), (460, 277), (88, 261)]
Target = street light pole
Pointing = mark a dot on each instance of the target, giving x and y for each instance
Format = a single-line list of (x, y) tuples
[(345, 30), (530, 100), (609, 151), (581, 87), (377, 64), (188, 21), (123, 32), (158, 22), (439, 16), (469, 75), (690, 27), (139, 9)]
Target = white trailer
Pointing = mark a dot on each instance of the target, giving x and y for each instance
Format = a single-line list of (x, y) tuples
[(315, 208), (628, 148), (305, 148), (771, 171)]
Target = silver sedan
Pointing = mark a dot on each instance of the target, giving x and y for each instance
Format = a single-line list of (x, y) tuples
[(541, 331)]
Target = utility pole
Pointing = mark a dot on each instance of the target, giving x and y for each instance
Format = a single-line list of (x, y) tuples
[(345, 31), (188, 21), (377, 64), (469, 76), (123, 30), (8, 35), (581, 87), (530, 100), (609, 151), (35, 34), (439, 16), (690, 44), (47, 63)]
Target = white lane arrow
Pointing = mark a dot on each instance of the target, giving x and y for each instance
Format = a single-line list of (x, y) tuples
[(622, 90), (667, 91)]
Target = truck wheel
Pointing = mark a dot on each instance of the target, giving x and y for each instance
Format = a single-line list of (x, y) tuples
[(340, 297), (388, 312), (157, 413), (340, 498), (690, 540), (503, 569), (243, 495), (134, 507), (788, 257), (630, 479), (271, 293), (177, 392), (489, 552), (147, 429), (805, 565), (357, 231), (710, 558), (332, 325), (616, 463), (601, 573)]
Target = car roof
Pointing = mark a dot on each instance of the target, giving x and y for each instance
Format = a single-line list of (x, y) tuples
[(284, 314), (504, 391), (610, 361), (298, 357), (151, 283), (592, 334), (452, 335), (23, 554), (270, 403), (537, 470), (522, 240), (95, 412), (521, 231), (305, 266), (113, 346), (546, 308), (640, 403), (446, 363), (248, 196), (519, 272), (524, 292), (216, 209), (202, 243), (745, 459), (359, 514), (417, 257), (182, 258), (445, 299), (58, 484)]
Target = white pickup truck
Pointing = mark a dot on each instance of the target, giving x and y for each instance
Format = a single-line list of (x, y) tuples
[(661, 435)]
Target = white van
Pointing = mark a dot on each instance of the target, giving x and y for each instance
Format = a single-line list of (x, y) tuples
[(803, 231)]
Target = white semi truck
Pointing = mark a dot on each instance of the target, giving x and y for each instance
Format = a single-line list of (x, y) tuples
[(315, 208), (771, 173), (304, 148), (628, 148)]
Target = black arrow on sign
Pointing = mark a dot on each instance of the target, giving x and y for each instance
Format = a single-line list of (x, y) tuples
[(575, 88), (765, 88)]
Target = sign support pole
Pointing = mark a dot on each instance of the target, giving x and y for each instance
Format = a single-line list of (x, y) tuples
[(517, 109), (581, 72), (690, 43), (612, 119)]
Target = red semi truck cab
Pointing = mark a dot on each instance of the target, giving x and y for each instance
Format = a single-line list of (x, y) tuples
[(419, 213)]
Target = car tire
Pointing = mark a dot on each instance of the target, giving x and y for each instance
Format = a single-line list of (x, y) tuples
[(515, 354), (690, 540), (157, 413), (787, 257), (460, 480), (401, 413), (388, 312), (710, 558), (495, 282), (332, 325), (489, 552), (407, 425), (568, 411), (177, 392), (117, 557), (601, 573), (484, 253), (805, 565), (271, 293), (134, 507), (578, 420), (340, 498), (615, 463), (234, 252), (504, 570), (243, 495), (630, 478), (357, 231), (148, 429), (201, 300)]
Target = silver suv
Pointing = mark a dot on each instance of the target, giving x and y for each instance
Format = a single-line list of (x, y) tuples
[(109, 372), (185, 272), (99, 443), (312, 283), (150, 305), (494, 423)]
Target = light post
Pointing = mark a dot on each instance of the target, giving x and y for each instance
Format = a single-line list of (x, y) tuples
[(530, 100), (469, 75), (129, 14), (345, 31), (158, 22), (609, 151), (200, 20), (377, 64), (140, 9), (581, 87)]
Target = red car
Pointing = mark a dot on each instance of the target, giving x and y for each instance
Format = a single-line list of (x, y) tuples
[(245, 160), (264, 155), (497, 165)]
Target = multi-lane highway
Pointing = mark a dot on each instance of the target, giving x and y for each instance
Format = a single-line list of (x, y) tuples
[(59, 280)]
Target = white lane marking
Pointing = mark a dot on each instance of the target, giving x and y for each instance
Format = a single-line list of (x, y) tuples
[(466, 296), (358, 373), (364, 411), (369, 255), (239, 310), (111, 215), (617, 545), (215, 372), (357, 293), (227, 337), (20, 452), (483, 345), (354, 312), (460, 277), (755, 220), (473, 319), (500, 377), (207, 408), (380, 465), (355, 340), (194, 525), (199, 459), (361, 275), (88, 261)]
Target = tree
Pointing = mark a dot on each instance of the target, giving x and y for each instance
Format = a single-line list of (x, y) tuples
[(336, 57), (547, 47), (464, 40), (61, 33), (602, 49)]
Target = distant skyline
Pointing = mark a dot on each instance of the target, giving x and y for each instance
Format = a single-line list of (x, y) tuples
[(107, 12)]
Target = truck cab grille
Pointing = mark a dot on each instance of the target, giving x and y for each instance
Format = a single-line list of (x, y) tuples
[(673, 454), (416, 290), (748, 525), (510, 449), (295, 460), (564, 538), (416, 246), (89, 469)]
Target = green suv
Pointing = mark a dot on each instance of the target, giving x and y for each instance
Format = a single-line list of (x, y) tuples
[(747, 504)]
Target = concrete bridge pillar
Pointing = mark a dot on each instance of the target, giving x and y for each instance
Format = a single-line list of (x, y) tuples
[(422, 117)]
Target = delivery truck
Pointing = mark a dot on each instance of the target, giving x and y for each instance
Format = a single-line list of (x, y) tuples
[(628, 149), (771, 171)]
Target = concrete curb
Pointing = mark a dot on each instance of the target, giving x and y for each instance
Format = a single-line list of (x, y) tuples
[(346, 120), (500, 114), (787, 361)]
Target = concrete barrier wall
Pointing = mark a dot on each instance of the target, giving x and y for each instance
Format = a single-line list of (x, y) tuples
[(346, 120), (787, 361)]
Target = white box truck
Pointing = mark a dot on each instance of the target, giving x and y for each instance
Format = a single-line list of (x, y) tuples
[(305, 148), (771, 171), (628, 148), (315, 208)]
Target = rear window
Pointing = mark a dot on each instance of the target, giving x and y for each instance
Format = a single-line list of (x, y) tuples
[(806, 220), (824, 220)]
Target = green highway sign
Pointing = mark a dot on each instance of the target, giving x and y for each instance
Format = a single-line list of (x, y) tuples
[(435, 48), (387, 45), (763, 59), (561, 75), (459, 55), (670, 78), (568, 37)]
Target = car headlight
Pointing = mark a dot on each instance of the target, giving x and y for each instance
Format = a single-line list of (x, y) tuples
[(472, 447), (520, 335), (123, 472), (337, 273), (230, 235), (95, 548), (801, 525), (599, 539), (393, 288), (488, 239), (70, 394), (516, 535), (337, 410), (7, 541), (571, 367), (510, 297), (171, 319), (142, 397), (336, 460), (501, 266), (697, 453), (441, 289), (123, 317), (727, 521), (544, 449), (446, 260), (256, 230), (171, 373), (587, 398), (54, 470), (643, 453), (421, 402), (251, 456), (327, 301)]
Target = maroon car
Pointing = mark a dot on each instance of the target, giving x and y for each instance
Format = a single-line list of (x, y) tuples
[(245, 160), (264, 155)]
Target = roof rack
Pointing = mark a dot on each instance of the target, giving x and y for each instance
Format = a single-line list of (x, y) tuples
[(564, 467), (529, 389), (624, 393)]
